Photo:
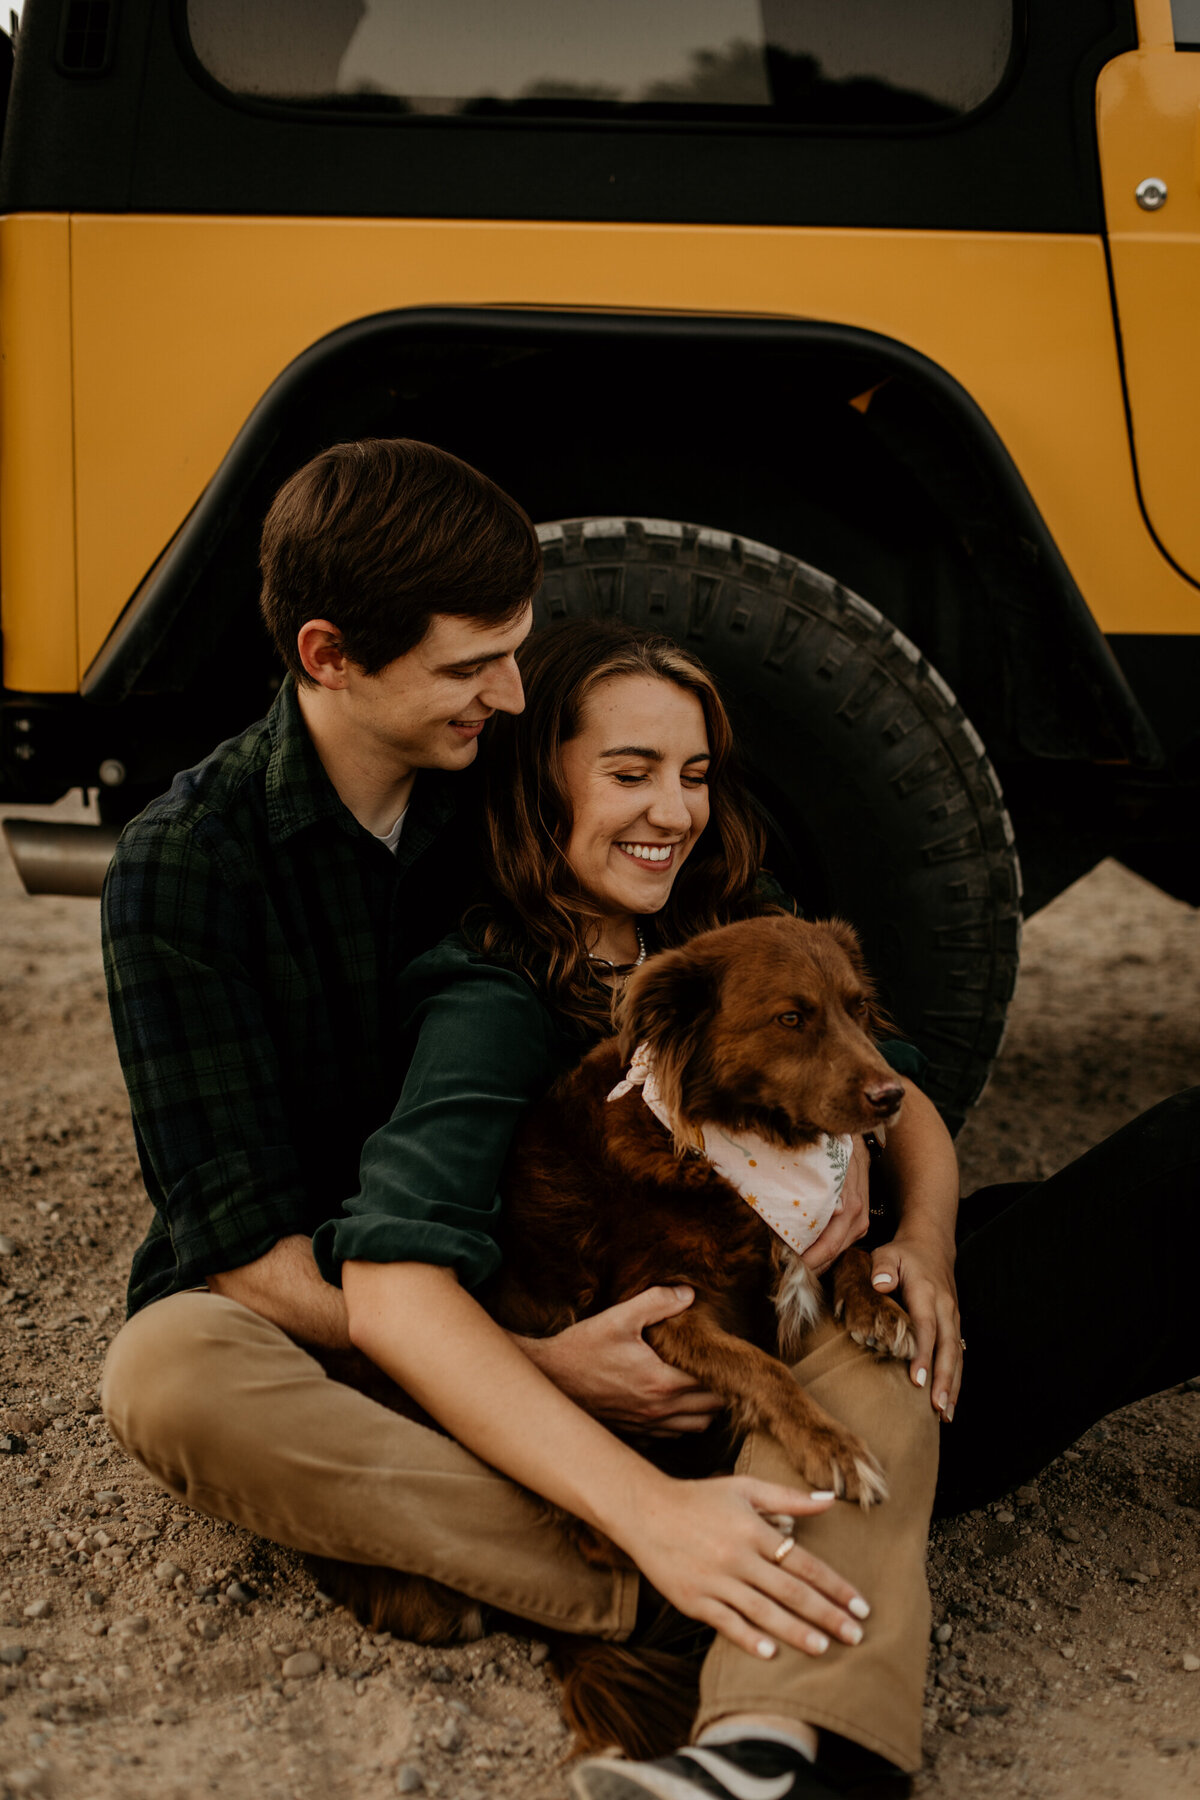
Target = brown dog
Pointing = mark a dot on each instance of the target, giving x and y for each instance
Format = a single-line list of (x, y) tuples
[(764, 1026), (760, 1027)]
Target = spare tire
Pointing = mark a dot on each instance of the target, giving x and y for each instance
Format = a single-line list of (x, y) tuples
[(879, 795)]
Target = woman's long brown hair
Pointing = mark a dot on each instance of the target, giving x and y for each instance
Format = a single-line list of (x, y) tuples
[(536, 917)]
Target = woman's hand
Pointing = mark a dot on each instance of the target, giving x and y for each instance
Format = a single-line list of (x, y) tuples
[(707, 1546), (606, 1366), (848, 1225), (919, 1271)]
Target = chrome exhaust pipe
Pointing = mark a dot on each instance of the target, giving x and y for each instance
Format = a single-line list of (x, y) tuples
[(61, 859)]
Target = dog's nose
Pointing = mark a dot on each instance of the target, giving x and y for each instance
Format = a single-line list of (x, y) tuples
[(884, 1097)]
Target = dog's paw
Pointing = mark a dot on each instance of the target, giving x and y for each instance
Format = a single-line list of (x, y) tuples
[(878, 1324), (835, 1460)]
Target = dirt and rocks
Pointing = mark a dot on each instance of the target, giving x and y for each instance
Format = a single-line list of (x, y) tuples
[(149, 1654)]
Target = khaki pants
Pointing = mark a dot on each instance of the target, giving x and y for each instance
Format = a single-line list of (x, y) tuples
[(233, 1417)]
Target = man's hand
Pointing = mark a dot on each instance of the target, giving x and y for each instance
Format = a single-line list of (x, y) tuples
[(848, 1225), (919, 1271), (606, 1366), (287, 1287)]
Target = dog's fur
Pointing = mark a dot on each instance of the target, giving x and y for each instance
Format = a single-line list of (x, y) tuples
[(602, 1203)]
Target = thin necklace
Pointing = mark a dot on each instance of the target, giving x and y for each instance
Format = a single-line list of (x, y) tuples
[(623, 968)]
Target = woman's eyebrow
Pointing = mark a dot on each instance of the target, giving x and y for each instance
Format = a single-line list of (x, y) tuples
[(653, 755)]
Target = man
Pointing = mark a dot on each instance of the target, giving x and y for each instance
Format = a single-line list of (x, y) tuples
[(256, 921)]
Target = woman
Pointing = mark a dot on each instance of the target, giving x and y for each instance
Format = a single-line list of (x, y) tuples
[(617, 827)]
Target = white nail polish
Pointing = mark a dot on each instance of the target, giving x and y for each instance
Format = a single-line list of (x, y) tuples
[(817, 1643), (822, 1494), (860, 1607), (881, 1281), (766, 1648), (922, 1377), (852, 1634)]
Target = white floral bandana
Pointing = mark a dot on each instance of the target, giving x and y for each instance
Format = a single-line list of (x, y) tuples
[(796, 1192)]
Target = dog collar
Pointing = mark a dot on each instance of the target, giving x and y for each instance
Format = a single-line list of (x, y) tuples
[(795, 1192)]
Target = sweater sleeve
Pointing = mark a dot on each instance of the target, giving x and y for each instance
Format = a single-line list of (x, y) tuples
[(483, 1047)]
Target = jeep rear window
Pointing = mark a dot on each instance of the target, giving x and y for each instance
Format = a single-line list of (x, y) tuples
[(822, 63)]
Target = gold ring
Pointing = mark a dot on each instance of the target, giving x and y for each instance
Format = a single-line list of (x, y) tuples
[(782, 1550), (962, 1344)]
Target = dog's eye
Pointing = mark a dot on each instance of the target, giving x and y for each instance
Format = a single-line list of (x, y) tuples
[(788, 1018)]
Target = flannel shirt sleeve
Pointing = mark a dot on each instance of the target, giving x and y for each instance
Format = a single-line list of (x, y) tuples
[(200, 1065), (430, 1176)]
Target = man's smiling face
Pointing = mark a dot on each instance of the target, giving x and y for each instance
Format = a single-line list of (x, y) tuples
[(427, 708)]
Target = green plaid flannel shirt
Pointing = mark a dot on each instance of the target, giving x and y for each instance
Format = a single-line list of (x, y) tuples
[(254, 941)]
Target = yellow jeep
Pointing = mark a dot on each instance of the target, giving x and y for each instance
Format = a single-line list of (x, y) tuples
[(853, 341)]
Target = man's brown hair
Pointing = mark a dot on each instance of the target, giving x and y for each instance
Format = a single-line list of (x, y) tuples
[(378, 537)]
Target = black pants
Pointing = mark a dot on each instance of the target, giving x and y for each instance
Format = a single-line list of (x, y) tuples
[(1078, 1296)]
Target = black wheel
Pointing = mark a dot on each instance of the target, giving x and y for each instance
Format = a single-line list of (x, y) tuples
[(882, 803)]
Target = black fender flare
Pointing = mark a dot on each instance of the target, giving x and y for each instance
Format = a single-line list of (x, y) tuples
[(158, 611)]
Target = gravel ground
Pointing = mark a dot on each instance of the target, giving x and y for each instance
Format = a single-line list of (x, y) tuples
[(148, 1654)]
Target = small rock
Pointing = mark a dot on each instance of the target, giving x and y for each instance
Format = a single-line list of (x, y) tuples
[(1004, 1516), (7, 1246), (302, 1664), (240, 1594), (441, 1672), (1068, 1651), (14, 1655), (282, 1650), (136, 1625), (1070, 1534), (1150, 1568), (106, 1497), (538, 1654), (1026, 1496), (943, 1634), (12, 1445), (450, 1737), (166, 1572), (25, 1781), (37, 1609), (95, 1596), (409, 1779), (1190, 1662)]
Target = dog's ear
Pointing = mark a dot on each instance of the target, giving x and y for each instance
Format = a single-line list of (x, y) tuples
[(668, 1005), (847, 940)]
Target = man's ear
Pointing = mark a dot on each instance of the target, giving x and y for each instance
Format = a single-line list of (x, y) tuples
[(319, 646), (667, 1005)]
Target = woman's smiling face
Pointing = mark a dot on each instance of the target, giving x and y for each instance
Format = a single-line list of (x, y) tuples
[(636, 774)]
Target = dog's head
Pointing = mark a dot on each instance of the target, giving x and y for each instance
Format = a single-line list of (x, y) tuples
[(766, 1025)]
